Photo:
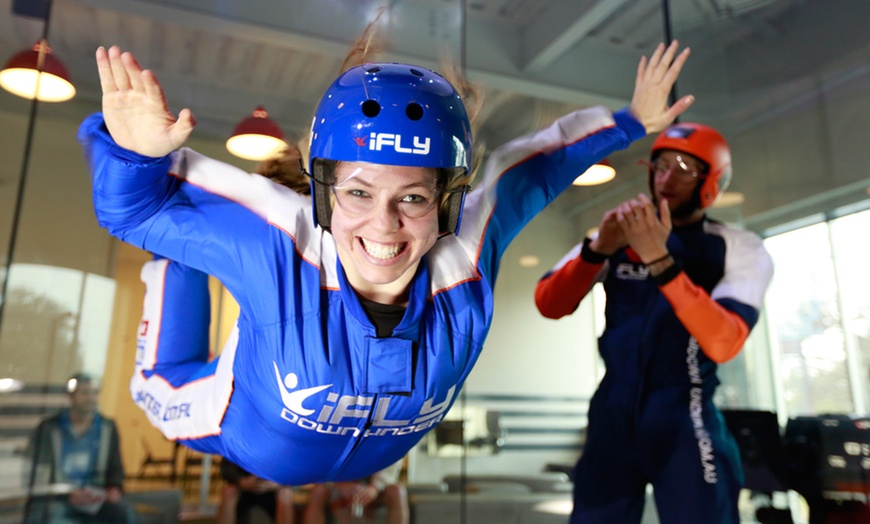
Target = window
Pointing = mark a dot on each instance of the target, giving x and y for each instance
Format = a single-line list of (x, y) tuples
[(818, 316)]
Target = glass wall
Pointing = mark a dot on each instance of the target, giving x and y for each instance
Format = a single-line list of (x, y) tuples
[(818, 312), (784, 81)]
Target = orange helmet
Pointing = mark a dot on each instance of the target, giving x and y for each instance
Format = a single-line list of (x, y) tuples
[(708, 146)]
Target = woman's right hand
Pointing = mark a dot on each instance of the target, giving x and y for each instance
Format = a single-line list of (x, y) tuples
[(655, 79), (135, 109)]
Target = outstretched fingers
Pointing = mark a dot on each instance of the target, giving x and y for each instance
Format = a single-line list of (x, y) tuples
[(677, 109), (119, 73), (663, 66), (665, 62), (152, 88), (647, 66), (655, 79), (671, 69), (183, 127), (133, 69), (135, 108), (107, 79)]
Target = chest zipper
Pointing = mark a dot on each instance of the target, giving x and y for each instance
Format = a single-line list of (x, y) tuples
[(358, 441)]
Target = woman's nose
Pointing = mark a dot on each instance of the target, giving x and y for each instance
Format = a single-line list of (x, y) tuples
[(387, 215)]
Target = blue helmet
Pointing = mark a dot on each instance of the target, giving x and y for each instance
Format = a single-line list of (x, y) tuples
[(392, 114)]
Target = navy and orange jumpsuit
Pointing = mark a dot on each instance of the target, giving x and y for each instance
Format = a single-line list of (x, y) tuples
[(652, 419)]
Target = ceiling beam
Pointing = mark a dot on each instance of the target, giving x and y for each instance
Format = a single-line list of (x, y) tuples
[(561, 27), (322, 40)]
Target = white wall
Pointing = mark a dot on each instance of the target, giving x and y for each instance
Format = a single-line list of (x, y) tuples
[(527, 355)]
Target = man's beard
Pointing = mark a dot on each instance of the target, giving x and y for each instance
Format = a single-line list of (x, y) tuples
[(686, 209)]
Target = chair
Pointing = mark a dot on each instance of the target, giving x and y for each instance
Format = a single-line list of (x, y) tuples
[(151, 460), (192, 466), (764, 459), (495, 433), (761, 449)]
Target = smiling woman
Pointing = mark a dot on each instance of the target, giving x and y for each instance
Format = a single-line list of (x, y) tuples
[(356, 330), (384, 223)]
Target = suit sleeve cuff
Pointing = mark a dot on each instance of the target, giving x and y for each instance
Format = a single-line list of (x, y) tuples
[(630, 124), (668, 274), (590, 256)]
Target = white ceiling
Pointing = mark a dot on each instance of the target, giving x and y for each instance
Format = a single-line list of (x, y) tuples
[(537, 59), (221, 58)]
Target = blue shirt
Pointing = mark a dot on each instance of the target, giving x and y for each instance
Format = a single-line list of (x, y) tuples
[(79, 452)]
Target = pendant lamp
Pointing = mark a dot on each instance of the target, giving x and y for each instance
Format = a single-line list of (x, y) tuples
[(37, 68), (596, 174), (256, 137)]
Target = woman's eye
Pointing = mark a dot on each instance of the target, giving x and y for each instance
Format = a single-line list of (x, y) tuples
[(415, 199), (357, 193)]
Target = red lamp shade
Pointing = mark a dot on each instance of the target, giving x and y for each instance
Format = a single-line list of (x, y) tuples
[(34, 69), (256, 137), (596, 174)]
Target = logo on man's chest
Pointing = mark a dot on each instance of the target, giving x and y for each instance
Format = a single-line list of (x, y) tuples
[(629, 271)]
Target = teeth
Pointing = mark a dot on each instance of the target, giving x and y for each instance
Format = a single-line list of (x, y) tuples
[(382, 251)]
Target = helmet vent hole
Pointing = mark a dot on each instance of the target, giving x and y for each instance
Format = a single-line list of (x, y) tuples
[(416, 72), (371, 108), (414, 111)]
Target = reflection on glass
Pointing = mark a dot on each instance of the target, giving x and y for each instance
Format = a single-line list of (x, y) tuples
[(854, 285), (802, 306), (56, 320)]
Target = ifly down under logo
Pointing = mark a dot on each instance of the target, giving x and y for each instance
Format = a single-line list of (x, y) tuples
[(342, 414)]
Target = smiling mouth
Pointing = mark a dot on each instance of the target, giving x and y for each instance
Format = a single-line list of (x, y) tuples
[(382, 251)]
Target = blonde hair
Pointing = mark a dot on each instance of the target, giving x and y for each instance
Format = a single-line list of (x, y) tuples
[(472, 97), (284, 169), (369, 43)]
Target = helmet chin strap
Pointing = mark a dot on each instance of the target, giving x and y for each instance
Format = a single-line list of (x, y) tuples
[(320, 195), (450, 217)]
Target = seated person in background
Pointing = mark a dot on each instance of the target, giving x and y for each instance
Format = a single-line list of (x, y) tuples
[(245, 492), (76, 473), (351, 501)]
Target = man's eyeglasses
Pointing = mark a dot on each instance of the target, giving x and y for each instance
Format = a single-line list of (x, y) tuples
[(679, 168)]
